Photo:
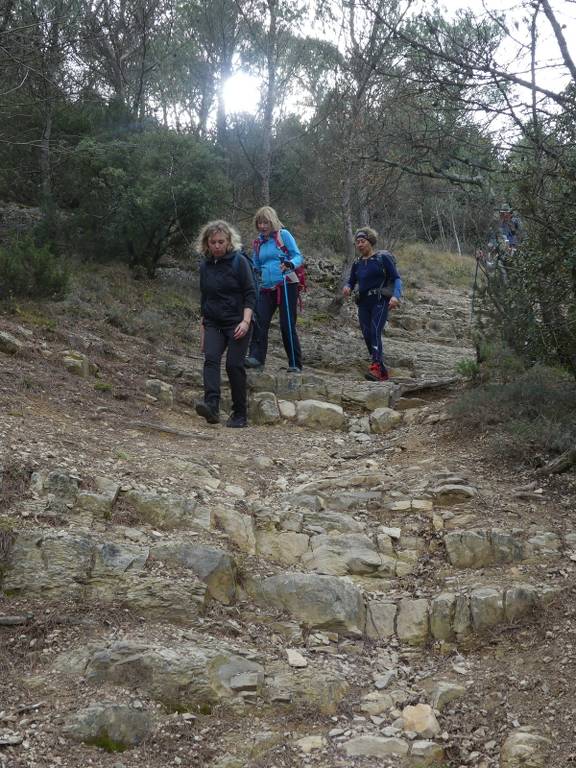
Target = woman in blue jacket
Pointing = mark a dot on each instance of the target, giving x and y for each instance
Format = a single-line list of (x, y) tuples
[(379, 289), (276, 256)]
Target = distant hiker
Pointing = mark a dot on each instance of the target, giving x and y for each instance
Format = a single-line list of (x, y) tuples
[(228, 297), (277, 259), (379, 289)]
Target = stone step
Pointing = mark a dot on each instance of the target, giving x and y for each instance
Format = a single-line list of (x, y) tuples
[(195, 676)]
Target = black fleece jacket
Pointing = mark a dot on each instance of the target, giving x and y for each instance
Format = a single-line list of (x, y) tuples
[(226, 288)]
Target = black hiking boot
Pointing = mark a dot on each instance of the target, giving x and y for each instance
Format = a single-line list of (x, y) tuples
[(252, 362), (207, 412), (236, 422)]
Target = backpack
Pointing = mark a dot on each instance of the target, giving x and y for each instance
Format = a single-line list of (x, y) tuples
[(387, 287), (235, 265), (300, 271)]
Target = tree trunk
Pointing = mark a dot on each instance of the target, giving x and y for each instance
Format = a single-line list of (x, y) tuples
[(270, 101), (45, 159)]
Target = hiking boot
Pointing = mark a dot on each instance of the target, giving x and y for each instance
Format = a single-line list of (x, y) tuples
[(294, 369), (236, 422), (252, 362), (377, 372), (207, 412)]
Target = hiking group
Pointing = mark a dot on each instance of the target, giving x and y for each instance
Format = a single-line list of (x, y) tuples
[(239, 296)]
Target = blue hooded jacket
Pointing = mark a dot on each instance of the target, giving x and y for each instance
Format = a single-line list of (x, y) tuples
[(269, 255)]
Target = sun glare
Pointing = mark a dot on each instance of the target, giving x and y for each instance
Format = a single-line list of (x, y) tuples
[(241, 93)]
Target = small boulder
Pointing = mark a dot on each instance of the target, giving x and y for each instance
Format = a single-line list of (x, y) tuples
[(319, 415), (9, 344), (114, 727), (382, 420), (162, 391)]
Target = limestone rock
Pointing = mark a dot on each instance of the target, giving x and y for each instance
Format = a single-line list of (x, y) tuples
[(217, 569), (162, 391), (332, 521), (114, 727), (442, 616), (468, 549), (95, 506), (58, 483), (412, 621), (375, 746), (376, 703), (519, 600), (452, 493), (524, 749), (320, 688), (287, 409), (343, 554), (369, 396), (76, 363), (49, 563), (263, 408), (487, 607), (426, 753), (240, 528), (380, 620), (421, 719), (322, 602), (319, 415), (309, 743), (184, 677), (282, 547), (295, 658), (9, 344), (444, 692), (382, 420), (164, 511)]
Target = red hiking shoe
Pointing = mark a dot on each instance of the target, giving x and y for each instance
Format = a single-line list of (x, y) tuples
[(377, 372)]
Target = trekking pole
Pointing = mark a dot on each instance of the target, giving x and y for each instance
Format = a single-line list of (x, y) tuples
[(287, 309)]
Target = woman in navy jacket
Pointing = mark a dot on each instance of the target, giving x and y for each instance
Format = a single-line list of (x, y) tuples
[(379, 289), (276, 256), (228, 297)]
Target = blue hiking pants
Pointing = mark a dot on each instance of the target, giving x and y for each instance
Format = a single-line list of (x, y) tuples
[(372, 316)]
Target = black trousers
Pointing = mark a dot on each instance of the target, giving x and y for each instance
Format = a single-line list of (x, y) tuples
[(267, 306), (216, 341)]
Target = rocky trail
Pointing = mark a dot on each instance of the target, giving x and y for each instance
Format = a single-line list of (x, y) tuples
[(348, 582)]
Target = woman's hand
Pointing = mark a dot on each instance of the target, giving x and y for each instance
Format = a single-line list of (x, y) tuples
[(241, 329), (393, 303), (346, 291), (286, 266), (201, 337)]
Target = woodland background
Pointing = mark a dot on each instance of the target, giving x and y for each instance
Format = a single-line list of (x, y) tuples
[(113, 123)]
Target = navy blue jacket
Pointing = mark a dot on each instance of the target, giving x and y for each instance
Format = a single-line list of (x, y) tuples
[(370, 275)]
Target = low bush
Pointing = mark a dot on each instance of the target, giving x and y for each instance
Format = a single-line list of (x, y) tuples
[(536, 411), (32, 271)]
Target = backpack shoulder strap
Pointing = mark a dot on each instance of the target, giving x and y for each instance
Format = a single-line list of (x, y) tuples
[(279, 241)]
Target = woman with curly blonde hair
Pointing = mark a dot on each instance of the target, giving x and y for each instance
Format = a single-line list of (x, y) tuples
[(227, 300)]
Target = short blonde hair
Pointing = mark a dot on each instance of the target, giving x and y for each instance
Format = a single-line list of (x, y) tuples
[(266, 213), (219, 225), (368, 233)]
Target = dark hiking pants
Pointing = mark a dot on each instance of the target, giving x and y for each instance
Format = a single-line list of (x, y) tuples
[(267, 305), (216, 341)]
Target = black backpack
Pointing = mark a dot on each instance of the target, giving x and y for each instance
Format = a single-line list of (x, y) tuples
[(387, 287)]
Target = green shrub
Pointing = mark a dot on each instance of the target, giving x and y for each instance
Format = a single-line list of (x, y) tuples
[(468, 368), (32, 271), (138, 196), (537, 410)]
